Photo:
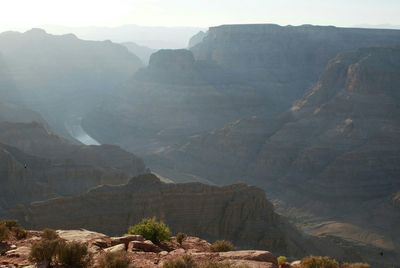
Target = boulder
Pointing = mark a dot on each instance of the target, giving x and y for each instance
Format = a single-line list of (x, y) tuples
[(117, 248), (250, 255), (82, 235), (126, 239), (146, 246)]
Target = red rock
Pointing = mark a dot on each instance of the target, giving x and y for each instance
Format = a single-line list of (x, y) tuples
[(146, 246)]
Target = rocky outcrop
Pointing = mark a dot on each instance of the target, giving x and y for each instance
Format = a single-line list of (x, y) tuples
[(171, 66), (239, 213), (192, 247)]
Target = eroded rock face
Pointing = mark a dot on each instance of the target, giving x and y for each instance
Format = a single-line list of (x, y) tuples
[(239, 213), (339, 142)]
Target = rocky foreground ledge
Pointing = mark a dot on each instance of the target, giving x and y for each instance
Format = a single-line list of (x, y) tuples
[(141, 252)]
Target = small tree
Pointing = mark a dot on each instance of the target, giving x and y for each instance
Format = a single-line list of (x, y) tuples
[(222, 246), (151, 229)]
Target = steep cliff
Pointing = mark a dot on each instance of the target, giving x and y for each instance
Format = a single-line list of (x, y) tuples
[(339, 142), (262, 52)]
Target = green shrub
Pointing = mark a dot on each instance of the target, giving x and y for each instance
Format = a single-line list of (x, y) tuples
[(44, 251), (355, 265), (4, 232), (151, 229), (73, 254), (114, 260), (281, 260), (49, 234), (180, 237), (222, 246), (182, 262), (319, 262)]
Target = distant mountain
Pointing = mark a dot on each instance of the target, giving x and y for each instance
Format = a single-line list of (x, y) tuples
[(149, 36), (62, 76), (142, 52), (236, 71)]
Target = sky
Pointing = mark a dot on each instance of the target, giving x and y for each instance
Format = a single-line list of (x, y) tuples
[(26, 14)]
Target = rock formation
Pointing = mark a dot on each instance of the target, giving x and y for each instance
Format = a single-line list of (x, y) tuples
[(239, 213), (339, 142), (238, 71)]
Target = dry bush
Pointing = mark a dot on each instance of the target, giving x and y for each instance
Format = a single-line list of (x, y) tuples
[(114, 260), (73, 254), (319, 262), (222, 246)]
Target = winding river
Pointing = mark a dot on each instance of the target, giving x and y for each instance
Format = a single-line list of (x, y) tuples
[(74, 128)]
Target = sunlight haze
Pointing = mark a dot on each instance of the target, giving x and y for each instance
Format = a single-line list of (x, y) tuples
[(197, 13)]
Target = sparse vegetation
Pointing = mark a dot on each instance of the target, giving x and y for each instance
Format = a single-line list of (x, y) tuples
[(19, 232), (355, 265), (50, 234), (319, 262), (182, 262), (44, 251), (4, 232), (73, 254), (11, 228), (151, 229), (114, 260), (180, 237), (222, 246)]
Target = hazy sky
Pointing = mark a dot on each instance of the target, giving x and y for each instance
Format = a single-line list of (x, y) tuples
[(23, 14)]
